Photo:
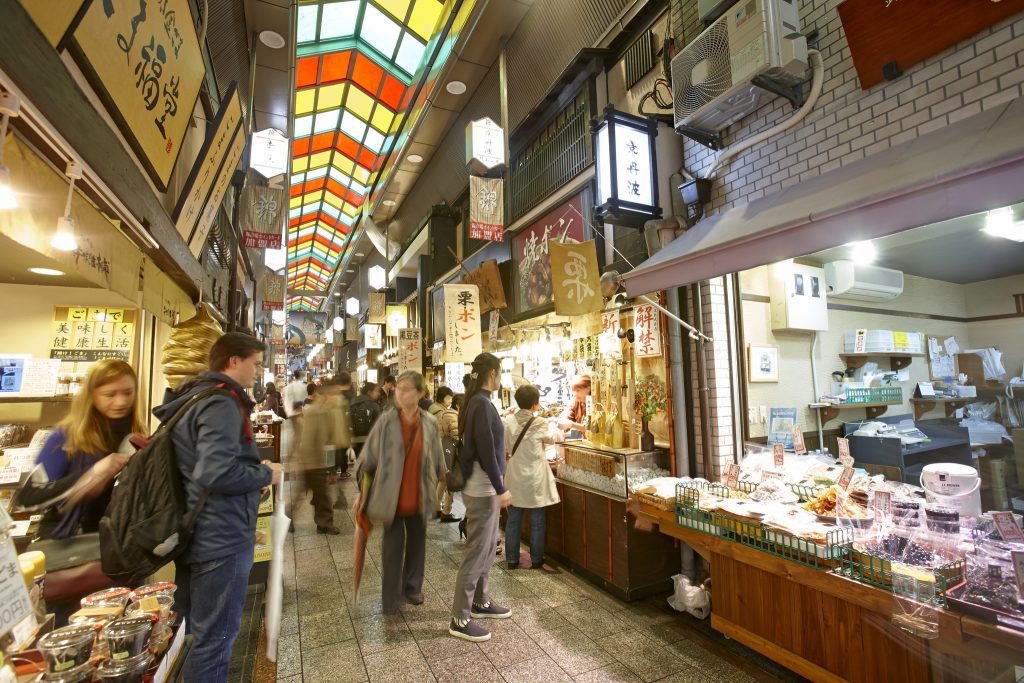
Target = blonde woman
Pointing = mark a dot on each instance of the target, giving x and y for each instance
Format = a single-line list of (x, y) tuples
[(87, 442)]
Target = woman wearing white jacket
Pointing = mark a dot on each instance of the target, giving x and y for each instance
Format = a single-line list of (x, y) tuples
[(528, 476)]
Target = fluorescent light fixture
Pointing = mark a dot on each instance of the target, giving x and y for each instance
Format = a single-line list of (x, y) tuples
[(414, 159), (46, 271), (862, 253), (377, 277), (337, 294), (1000, 223), (7, 198), (352, 306), (455, 87)]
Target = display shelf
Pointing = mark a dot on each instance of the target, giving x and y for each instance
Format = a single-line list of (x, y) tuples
[(584, 487), (830, 411), (924, 405), (897, 360), (35, 399)]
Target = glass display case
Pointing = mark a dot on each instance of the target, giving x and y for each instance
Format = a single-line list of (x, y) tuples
[(610, 471)]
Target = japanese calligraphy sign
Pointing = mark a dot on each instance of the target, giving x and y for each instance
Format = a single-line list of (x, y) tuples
[(351, 329), (143, 59), (453, 374), (485, 145), (273, 292), (608, 341), (647, 331), (219, 138), (486, 209), (260, 217), (488, 278), (372, 336), (575, 280), (463, 336), (82, 334), (53, 18), (396, 318), (530, 252), (410, 350), (376, 310), (220, 186)]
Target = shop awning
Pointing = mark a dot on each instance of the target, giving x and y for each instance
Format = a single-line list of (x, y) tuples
[(973, 165)]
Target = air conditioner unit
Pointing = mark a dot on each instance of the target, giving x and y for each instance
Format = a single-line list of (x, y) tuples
[(715, 79), (847, 280)]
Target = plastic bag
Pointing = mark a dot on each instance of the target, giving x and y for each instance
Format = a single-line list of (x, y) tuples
[(694, 600)]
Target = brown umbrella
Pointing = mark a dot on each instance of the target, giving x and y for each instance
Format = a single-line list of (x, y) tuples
[(363, 529)]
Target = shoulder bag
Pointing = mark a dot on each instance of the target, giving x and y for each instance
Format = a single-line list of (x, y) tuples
[(519, 440)]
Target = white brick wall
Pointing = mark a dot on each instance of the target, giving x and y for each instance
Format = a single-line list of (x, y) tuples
[(848, 123)]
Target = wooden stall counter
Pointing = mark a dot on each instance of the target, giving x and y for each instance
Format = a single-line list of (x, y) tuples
[(829, 628)]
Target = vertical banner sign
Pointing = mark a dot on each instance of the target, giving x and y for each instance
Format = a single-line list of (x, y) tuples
[(492, 327), (575, 280), (410, 350), (376, 309), (778, 455), (798, 438), (351, 329), (220, 187), (219, 138), (261, 216), (530, 252), (373, 338), (144, 61), (273, 292), (486, 209), (397, 318), (647, 328), (463, 337), (453, 374), (844, 452), (608, 340)]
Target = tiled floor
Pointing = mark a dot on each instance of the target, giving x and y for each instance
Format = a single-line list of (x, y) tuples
[(562, 628)]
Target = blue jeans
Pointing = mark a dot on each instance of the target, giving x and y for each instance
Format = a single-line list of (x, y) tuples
[(211, 597), (513, 529)]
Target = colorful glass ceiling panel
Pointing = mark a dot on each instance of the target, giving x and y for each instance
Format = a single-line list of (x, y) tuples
[(356, 65)]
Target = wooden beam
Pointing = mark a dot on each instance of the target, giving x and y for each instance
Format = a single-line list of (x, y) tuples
[(37, 70)]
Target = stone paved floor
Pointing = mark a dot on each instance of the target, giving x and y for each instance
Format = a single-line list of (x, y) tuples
[(562, 628)]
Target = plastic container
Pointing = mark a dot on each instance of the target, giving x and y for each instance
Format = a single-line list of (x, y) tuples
[(129, 637), (943, 519), (80, 674), (125, 670), (66, 648), (157, 605), (108, 597), (162, 588), (38, 560), (906, 512)]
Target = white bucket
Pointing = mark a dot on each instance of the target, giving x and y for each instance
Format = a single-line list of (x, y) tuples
[(954, 486)]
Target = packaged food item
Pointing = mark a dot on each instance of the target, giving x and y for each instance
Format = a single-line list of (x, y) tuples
[(129, 637), (66, 648), (157, 605), (131, 670), (95, 616), (834, 503), (37, 559), (774, 491), (108, 597), (942, 519), (80, 674), (162, 588)]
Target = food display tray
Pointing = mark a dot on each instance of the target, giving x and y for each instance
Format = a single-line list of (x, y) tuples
[(877, 571), (987, 614)]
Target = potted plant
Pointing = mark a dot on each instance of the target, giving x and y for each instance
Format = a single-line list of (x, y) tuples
[(649, 397)]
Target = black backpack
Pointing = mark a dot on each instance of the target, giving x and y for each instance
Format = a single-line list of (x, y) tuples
[(362, 417), (146, 524)]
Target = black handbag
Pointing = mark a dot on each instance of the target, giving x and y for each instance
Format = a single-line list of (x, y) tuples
[(454, 479)]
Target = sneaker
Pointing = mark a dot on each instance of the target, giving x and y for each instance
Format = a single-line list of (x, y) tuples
[(468, 630), (416, 599), (490, 610)]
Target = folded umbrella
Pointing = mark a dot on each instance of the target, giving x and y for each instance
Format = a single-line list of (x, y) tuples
[(363, 529), (275, 596)]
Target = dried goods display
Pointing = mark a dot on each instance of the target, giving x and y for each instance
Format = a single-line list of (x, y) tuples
[(187, 352)]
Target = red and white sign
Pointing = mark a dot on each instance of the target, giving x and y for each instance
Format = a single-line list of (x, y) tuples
[(845, 478), (410, 350), (844, 452), (798, 439), (647, 328), (1018, 569), (883, 504), (779, 454), (463, 335), (1007, 527), (486, 209), (732, 476), (273, 292)]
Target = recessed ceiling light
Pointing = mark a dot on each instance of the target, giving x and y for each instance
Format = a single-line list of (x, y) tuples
[(45, 271), (455, 87), (272, 39), (337, 294), (388, 202), (414, 159)]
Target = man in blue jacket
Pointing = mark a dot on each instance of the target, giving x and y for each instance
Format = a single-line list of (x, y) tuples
[(216, 454)]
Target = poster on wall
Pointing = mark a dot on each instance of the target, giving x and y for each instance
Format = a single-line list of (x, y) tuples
[(453, 374), (21, 375), (575, 277), (376, 312), (260, 217), (647, 328), (486, 209), (272, 296), (463, 336), (410, 350), (397, 317), (530, 252), (84, 334), (144, 61), (780, 426), (373, 336)]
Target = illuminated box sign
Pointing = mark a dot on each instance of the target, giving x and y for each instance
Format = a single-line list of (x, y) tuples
[(627, 175), (85, 335)]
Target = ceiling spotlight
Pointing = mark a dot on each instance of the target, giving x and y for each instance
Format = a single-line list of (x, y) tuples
[(272, 39), (388, 202), (1000, 223), (64, 238), (337, 294), (862, 253), (414, 159), (46, 271), (455, 87)]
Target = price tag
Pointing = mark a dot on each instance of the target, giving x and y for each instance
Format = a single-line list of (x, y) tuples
[(1018, 569), (773, 474), (732, 476), (14, 601), (10, 474), (883, 503), (844, 452), (778, 454), (845, 478), (1007, 527), (798, 439)]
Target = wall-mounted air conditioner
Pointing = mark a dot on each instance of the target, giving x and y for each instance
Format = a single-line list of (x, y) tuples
[(847, 280), (723, 74)]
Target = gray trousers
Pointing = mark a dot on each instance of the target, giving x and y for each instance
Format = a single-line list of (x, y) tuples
[(483, 532), (403, 554)]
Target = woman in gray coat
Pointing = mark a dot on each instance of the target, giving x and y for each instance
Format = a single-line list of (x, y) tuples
[(403, 455)]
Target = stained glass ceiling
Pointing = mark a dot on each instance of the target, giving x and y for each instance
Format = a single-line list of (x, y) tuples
[(355, 70)]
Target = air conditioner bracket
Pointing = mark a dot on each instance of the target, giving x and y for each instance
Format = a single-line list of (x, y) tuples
[(705, 137), (795, 94)]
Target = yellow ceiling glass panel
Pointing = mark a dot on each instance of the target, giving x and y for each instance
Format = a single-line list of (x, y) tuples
[(349, 209), (333, 200), (361, 174), (382, 118), (295, 203), (396, 8), (304, 101), (424, 17), (330, 96), (359, 103), (343, 164), (299, 165), (320, 159)]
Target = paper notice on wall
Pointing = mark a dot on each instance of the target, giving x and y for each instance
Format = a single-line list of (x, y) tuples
[(39, 377), (952, 348)]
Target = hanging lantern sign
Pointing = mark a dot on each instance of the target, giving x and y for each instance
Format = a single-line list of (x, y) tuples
[(627, 169), (268, 155), (351, 329), (376, 308), (463, 336), (485, 146), (486, 209)]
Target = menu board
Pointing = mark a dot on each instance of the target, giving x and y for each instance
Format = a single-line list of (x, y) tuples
[(86, 334), (531, 257)]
